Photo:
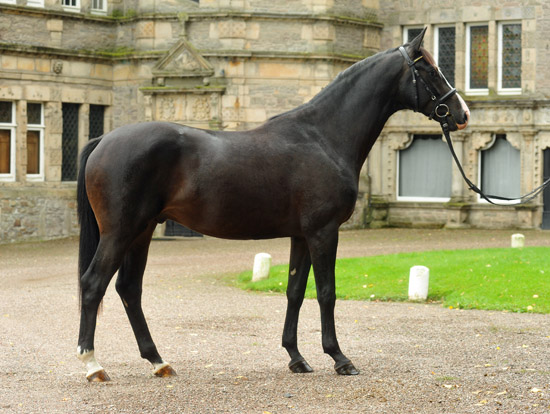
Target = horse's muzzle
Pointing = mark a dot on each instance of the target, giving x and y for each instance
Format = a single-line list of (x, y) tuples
[(464, 123)]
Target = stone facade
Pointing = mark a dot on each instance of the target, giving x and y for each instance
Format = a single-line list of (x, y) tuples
[(232, 64)]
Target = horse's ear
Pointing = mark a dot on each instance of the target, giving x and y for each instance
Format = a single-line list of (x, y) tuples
[(417, 41)]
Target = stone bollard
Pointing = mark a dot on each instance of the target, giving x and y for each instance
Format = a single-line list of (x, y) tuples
[(262, 263), (419, 278), (518, 240)]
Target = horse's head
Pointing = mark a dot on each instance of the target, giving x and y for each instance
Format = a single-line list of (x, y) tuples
[(425, 89)]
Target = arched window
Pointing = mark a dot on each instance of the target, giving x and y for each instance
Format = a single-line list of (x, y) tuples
[(501, 168)]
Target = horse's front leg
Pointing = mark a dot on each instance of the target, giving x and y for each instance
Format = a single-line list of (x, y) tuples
[(299, 266), (323, 246), (129, 287)]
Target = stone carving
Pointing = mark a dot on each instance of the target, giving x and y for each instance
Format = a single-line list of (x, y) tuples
[(167, 111), (201, 109), (232, 29), (399, 141), (183, 58), (57, 67), (183, 61)]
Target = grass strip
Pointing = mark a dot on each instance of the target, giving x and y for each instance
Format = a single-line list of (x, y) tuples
[(516, 280)]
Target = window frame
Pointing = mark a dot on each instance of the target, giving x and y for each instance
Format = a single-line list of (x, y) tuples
[(500, 89), (35, 3), (12, 127), (419, 199), (70, 8), (468, 89), (480, 199), (40, 129), (102, 11)]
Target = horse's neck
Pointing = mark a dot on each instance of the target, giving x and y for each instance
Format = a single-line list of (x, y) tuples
[(354, 108)]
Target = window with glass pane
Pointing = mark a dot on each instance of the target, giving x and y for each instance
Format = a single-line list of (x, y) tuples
[(33, 152), (511, 56), (6, 112), (500, 169), (70, 3), (7, 138), (446, 52), (97, 116), (5, 151), (34, 114), (425, 169), (35, 139), (479, 57), (97, 4), (69, 142)]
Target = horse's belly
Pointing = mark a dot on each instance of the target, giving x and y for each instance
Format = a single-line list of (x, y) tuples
[(235, 219)]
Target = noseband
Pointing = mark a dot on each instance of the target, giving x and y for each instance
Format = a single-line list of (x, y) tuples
[(441, 110)]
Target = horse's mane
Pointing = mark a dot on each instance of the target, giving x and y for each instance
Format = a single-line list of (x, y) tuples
[(342, 76)]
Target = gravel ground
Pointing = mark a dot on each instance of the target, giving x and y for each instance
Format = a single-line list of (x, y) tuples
[(225, 343)]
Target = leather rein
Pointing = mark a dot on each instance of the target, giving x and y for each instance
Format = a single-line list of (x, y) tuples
[(441, 113)]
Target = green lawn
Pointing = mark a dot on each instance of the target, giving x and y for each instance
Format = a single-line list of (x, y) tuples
[(516, 280)]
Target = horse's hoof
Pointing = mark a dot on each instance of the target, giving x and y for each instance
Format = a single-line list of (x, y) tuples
[(98, 376), (300, 366), (165, 371), (346, 368)]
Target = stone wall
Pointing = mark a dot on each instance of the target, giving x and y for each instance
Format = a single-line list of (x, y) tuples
[(28, 214)]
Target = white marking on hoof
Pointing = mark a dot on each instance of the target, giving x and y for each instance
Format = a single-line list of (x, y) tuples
[(163, 370), (88, 358), (157, 366)]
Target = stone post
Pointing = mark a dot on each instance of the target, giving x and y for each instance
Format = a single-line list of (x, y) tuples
[(419, 278), (262, 263)]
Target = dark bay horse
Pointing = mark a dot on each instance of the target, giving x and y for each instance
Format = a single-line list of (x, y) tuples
[(294, 176)]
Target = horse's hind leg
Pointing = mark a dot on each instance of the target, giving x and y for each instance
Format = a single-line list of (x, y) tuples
[(93, 284), (129, 287), (299, 266)]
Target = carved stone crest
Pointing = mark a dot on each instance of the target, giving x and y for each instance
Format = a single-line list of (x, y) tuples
[(57, 67)]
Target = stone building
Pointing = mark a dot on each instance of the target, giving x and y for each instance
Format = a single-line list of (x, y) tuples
[(71, 70)]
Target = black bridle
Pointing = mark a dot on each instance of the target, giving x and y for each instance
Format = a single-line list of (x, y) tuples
[(441, 113)]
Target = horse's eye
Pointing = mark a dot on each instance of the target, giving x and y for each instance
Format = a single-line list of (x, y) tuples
[(433, 73)]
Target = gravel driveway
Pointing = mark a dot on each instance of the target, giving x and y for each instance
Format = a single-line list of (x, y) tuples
[(225, 343)]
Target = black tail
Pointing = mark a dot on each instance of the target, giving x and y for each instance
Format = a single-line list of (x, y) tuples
[(89, 230)]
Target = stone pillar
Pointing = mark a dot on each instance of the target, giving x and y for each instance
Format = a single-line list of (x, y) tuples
[(528, 161), (458, 183), (53, 119), (460, 57), (83, 125), (493, 51), (21, 140)]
